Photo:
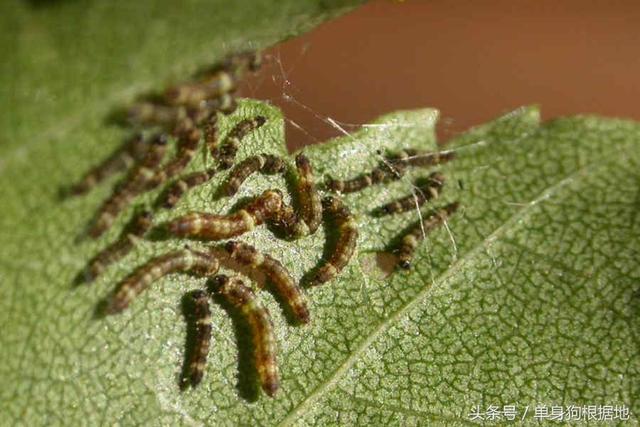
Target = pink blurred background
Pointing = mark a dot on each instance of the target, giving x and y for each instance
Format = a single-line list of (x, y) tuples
[(472, 60)]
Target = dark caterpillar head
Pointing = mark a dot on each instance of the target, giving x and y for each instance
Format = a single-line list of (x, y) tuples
[(434, 178), (231, 246), (198, 295), (272, 201), (334, 206), (270, 388), (160, 139), (218, 282), (387, 209), (404, 264), (141, 223), (330, 203), (260, 120), (241, 252), (302, 162), (273, 164)]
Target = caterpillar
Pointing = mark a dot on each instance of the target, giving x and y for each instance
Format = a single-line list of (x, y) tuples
[(418, 158), (189, 140), (211, 135), (225, 103), (217, 227), (382, 173), (153, 114), (261, 326), (182, 261), (265, 163), (346, 242), (214, 82), (242, 61), (135, 183), (131, 152), (417, 233), (170, 116), (310, 202), (183, 184), (285, 285), (291, 224), (426, 191), (391, 168), (137, 227), (298, 223), (227, 152), (202, 324)]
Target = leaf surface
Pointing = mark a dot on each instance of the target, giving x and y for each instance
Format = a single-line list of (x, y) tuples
[(527, 297)]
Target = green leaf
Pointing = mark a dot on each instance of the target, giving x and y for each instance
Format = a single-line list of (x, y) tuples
[(527, 297), (68, 63)]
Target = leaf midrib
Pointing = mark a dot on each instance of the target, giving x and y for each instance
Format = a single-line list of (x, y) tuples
[(436, 283)]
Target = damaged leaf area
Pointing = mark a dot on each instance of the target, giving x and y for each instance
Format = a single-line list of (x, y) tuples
[(527, 296)]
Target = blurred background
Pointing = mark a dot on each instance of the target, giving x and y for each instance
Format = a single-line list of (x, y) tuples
[(471, 60)]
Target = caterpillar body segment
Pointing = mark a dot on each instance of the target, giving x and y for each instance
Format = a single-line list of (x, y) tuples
[(217, 227), (417, 233), (308, 196), (284, 283), (136, 229), (136, 182), (182, 261), (262, 332), (197, 362), (213, 83), (264, 163), (347, 230), (391, 168), (124, 158), (424, 192), (174, 193), (226, 154)]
